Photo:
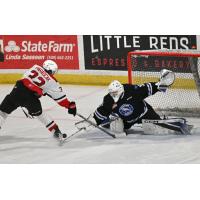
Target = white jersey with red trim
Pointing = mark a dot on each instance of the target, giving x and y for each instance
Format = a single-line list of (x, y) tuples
[(39, 77)]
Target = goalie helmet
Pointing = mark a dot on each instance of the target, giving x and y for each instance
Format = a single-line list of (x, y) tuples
[(115, 90), (50, 66)]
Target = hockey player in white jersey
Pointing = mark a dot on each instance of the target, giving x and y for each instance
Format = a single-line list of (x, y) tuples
[(36, 82)]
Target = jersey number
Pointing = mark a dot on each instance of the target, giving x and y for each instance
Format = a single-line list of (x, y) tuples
[(39, 81)]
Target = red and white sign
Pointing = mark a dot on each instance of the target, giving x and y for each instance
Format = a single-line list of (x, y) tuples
[(23, 51)]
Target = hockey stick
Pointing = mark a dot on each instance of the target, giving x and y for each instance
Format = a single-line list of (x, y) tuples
[(99, 127), (82, 121), (103, 124), (61, 142), (75, 133)]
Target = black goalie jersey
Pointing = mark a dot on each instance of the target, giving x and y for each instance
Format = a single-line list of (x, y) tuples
[(131, 106)]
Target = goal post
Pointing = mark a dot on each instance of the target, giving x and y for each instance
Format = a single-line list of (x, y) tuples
[(184, 95)]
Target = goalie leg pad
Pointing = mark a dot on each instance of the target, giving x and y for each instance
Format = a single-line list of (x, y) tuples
[(117, 126), (167, 126)]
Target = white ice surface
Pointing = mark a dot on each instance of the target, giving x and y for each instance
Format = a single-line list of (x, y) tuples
[(25, 140)]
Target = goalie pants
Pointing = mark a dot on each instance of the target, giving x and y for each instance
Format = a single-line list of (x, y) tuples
[(151, 114), (21, 96)]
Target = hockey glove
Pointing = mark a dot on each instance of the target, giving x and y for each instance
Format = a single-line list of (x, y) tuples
[(72, 108)]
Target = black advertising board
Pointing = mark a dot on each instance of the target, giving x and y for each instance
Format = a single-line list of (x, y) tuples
[(109, 52)]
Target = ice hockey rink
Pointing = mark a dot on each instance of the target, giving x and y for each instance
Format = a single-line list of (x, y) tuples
[(24, 140)]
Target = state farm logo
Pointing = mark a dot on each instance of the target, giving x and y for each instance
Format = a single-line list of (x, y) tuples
[(50, 46), (12, 47)]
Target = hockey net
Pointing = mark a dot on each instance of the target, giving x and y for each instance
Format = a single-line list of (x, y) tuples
[(183, 97)]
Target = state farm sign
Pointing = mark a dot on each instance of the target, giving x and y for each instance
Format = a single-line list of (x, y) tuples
[(51, 46), (35, 49)]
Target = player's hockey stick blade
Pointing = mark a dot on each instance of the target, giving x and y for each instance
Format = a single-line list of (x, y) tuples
[(98, 127)]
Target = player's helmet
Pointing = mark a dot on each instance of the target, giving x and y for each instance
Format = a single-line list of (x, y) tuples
[(115, 90), (50, 66)]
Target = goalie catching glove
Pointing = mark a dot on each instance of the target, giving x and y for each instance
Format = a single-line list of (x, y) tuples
[(167, 78)]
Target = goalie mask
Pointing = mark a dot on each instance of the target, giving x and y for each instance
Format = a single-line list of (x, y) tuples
[(50, 67), (115, 90)]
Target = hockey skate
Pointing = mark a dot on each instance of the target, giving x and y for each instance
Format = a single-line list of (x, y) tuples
[(60, 136)]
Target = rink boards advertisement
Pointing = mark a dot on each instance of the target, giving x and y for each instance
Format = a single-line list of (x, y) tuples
[(90, 59), (23, 51), (109, 52)]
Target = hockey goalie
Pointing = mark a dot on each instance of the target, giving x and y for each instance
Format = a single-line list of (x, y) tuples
[(125, 105)]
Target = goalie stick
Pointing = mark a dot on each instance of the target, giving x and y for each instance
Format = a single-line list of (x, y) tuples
[(103, 124), (98, 127)]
